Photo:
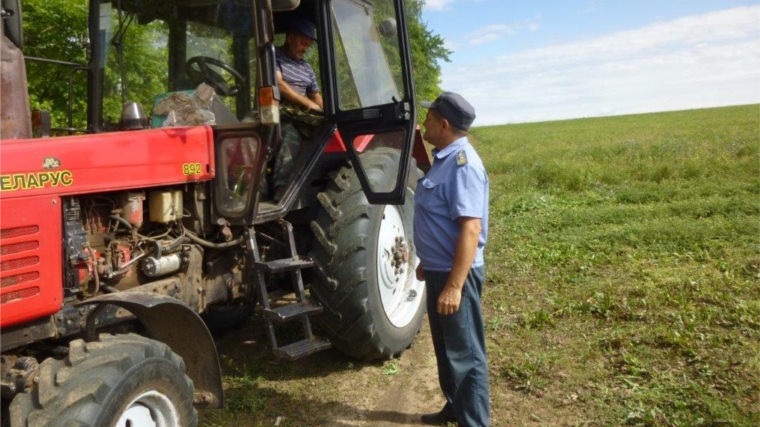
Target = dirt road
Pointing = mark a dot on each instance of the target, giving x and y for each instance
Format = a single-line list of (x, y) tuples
[(324, 389), (410, 390)]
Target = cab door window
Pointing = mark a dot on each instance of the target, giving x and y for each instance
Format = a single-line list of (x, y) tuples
[(366, 40), (372, 85)]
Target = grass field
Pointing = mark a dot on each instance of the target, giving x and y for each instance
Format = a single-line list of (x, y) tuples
[(623, 266)]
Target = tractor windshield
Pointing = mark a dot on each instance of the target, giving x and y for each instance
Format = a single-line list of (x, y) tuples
[(367, 43), (151, 49)]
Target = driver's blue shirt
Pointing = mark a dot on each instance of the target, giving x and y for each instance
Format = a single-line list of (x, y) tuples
[(456, 186), (297, 73)]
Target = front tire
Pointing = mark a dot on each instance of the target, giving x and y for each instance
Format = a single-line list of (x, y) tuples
[(119, 381), (365, 263)]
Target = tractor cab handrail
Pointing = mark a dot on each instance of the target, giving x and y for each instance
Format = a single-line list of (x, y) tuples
[(55, 61), (70, 129)]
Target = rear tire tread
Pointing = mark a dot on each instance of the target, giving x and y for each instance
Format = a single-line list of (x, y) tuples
[(339, 253)]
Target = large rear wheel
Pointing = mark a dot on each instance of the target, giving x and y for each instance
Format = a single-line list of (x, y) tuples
[(119, 381), (365, 263)]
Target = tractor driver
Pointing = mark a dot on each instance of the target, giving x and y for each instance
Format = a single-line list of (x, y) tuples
[(299, 90), (298, 83)]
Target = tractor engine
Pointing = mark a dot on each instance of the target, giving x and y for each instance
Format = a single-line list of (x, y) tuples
[(117, 241)]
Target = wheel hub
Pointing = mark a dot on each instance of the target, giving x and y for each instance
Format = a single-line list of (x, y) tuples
[(398, 285), (400, 255), (150, 409)]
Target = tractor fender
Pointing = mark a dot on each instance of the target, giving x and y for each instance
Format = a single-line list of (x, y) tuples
[(172, 322), (419, 152)]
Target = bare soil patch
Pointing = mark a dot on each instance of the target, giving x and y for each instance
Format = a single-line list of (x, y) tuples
[(330, 389)]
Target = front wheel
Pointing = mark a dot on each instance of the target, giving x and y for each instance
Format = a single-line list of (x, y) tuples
[(119, 381), (365, 262)]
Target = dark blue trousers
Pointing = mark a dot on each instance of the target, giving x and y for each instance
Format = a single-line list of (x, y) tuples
[(460, 349)]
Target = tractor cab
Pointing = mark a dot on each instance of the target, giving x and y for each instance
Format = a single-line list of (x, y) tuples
[(157, 63)]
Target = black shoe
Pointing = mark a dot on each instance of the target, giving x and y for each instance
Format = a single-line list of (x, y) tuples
[(438, 419)]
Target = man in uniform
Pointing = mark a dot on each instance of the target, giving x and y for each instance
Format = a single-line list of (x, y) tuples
[(450, 229), (300, 93)]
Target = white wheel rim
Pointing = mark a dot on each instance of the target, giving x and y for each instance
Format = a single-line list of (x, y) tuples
[(400, 291), (150, 409)]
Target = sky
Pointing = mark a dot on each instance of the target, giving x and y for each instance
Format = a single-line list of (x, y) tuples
[(527, 61)]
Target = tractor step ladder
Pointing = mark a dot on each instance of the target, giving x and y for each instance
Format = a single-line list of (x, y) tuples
[(301, 310)]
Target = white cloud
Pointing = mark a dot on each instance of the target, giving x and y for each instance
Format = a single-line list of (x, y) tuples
[(450, 45), (492, 33), (438, 4), (591, 7), (692, 62)]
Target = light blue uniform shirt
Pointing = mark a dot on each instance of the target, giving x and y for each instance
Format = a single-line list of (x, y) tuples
[(456, 186)]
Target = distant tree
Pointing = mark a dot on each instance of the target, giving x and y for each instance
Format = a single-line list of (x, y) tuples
[(56, 29), (427, 49)]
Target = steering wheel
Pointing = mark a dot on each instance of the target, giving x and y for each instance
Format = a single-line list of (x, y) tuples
[(199, 71)]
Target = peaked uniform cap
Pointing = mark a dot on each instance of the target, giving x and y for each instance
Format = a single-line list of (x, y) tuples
[(454, 108)]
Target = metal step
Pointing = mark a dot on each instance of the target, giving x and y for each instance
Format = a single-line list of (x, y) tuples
[(285, 265), (302, 348), (290, 312)]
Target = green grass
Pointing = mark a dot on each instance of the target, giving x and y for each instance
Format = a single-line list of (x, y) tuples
[(624, 265)]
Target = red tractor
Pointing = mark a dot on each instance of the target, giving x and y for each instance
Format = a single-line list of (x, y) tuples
[(124, 240)]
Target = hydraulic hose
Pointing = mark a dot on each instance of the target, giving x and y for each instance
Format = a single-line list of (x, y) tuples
[(121, 219), (207, 244)]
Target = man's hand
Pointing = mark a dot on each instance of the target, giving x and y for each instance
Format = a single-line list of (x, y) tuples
[(420, 273), (311, 106), (467, 246), (316, 98), (449, 300)]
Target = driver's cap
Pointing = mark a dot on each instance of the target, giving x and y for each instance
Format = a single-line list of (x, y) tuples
[(305, 27)]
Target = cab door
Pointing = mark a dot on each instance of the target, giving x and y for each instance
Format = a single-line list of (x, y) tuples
[(369, 91)]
